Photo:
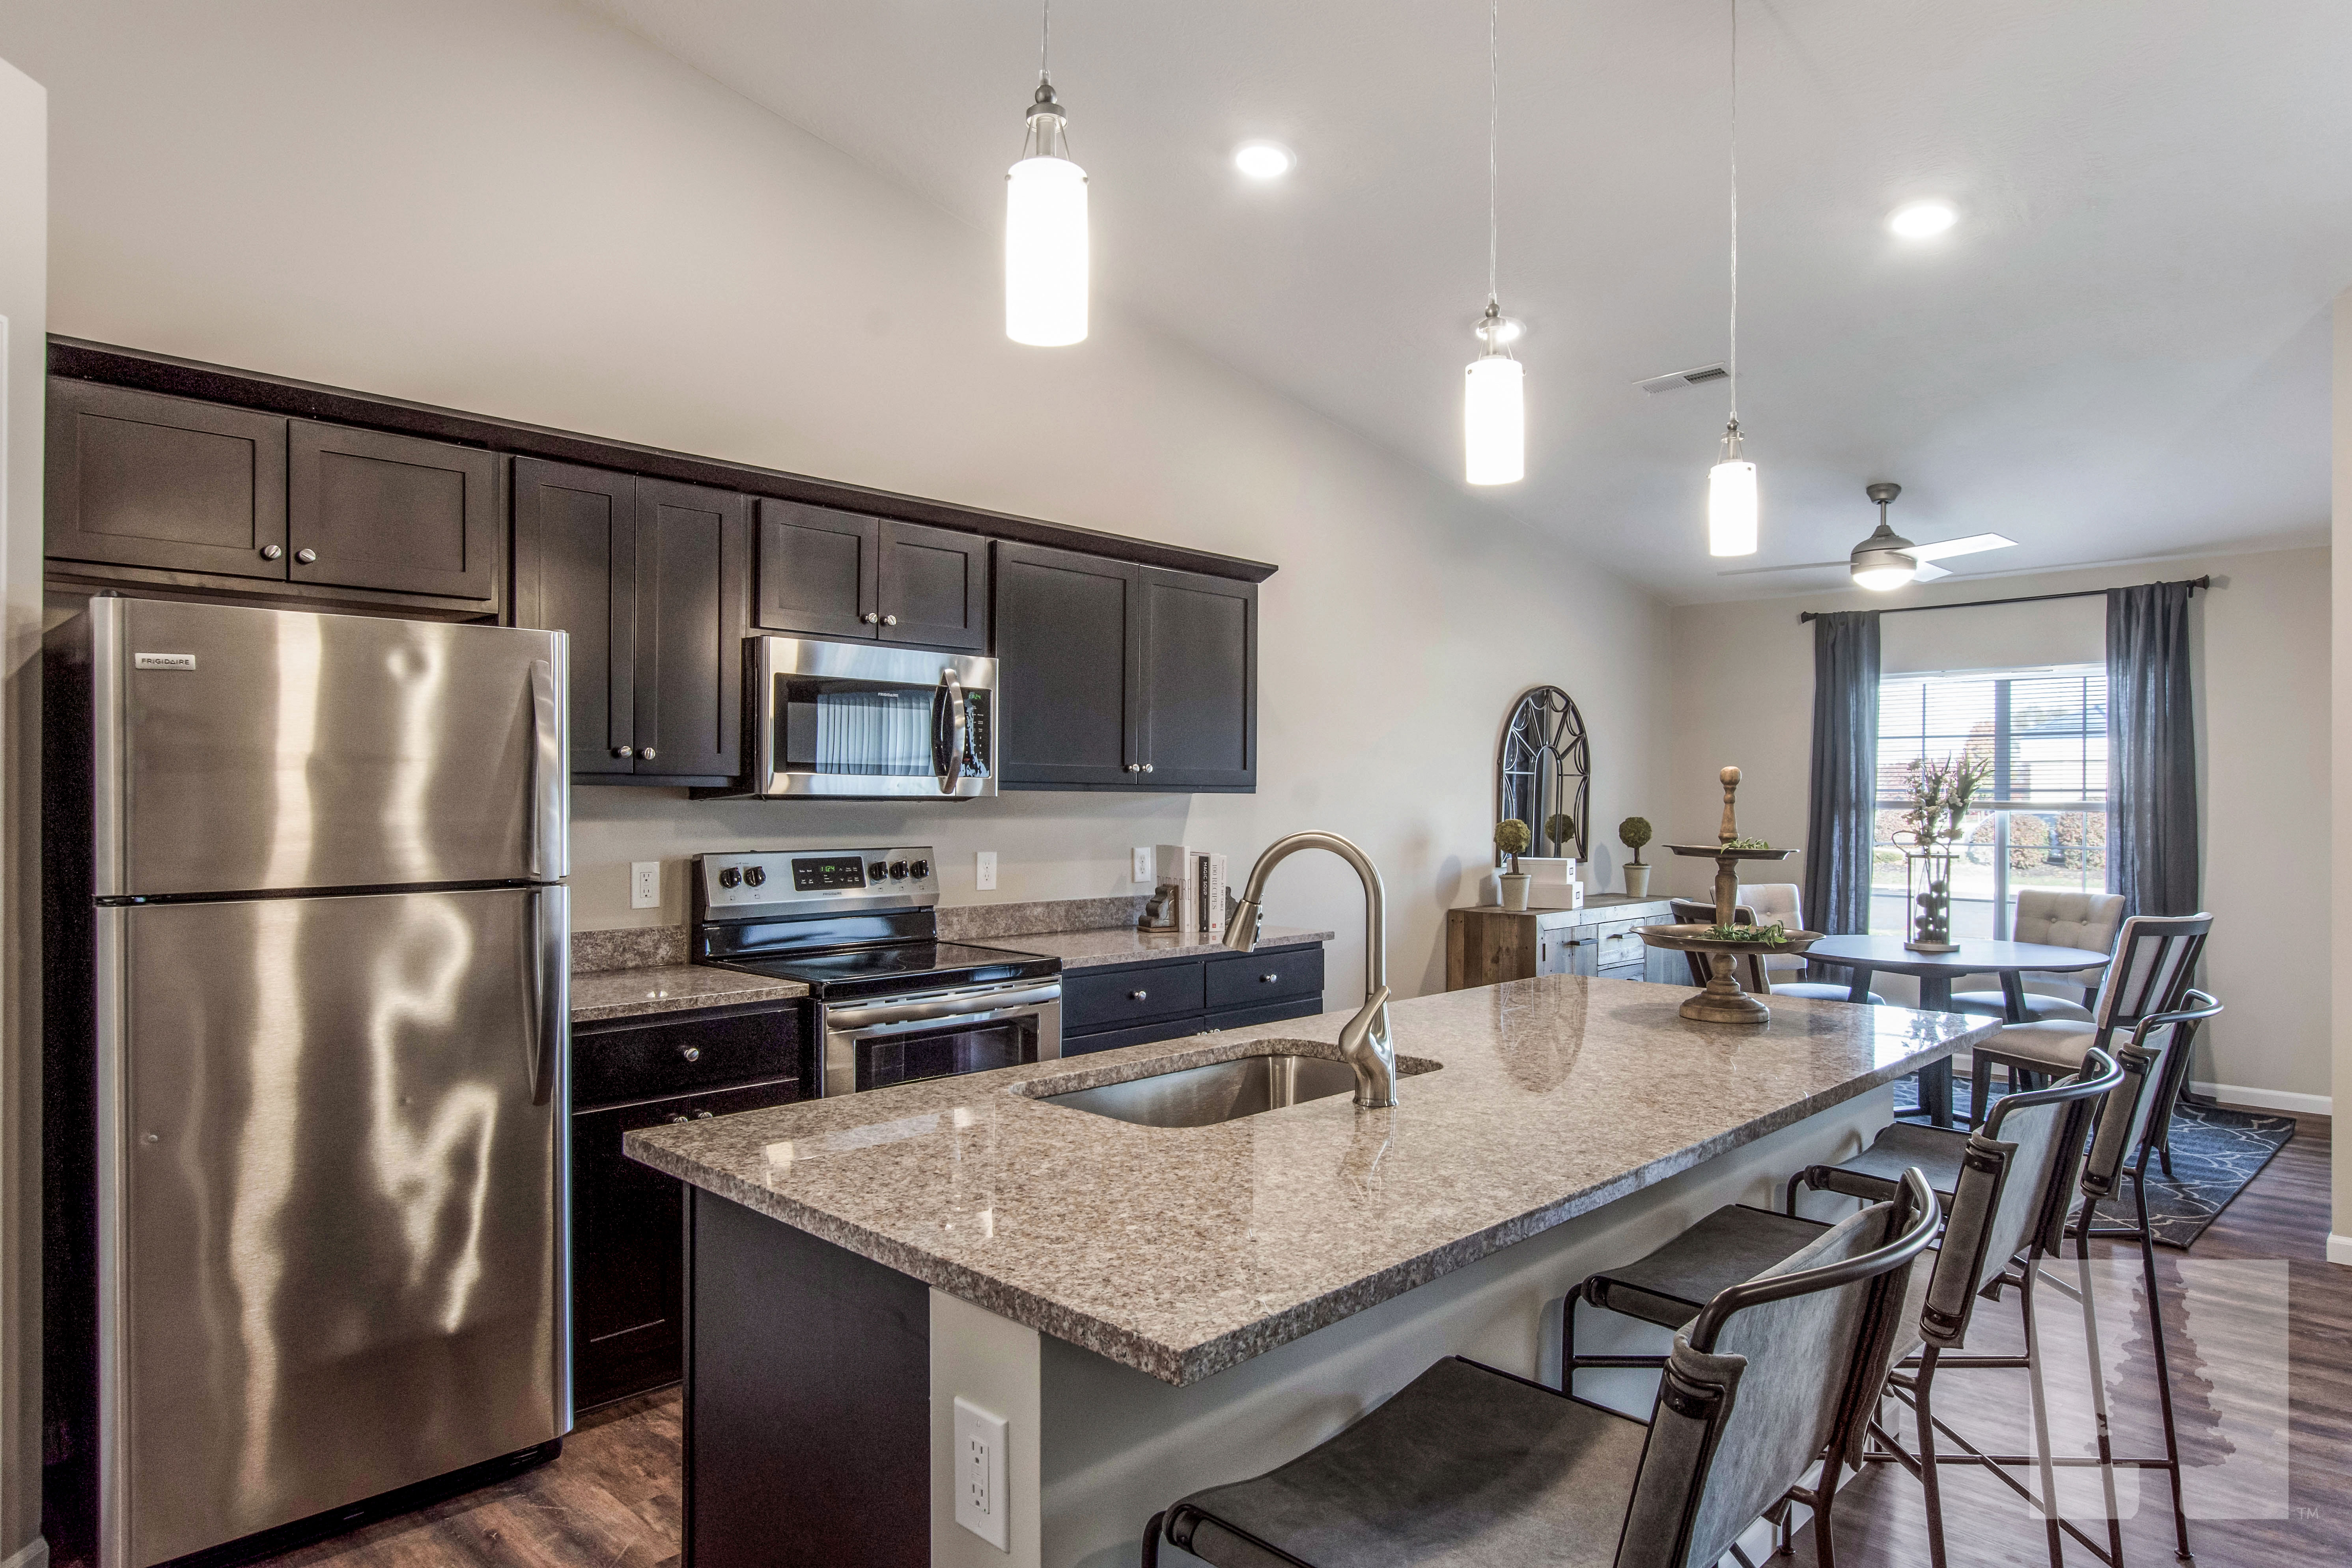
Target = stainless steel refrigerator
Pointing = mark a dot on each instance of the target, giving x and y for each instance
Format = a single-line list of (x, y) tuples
[(329, 952)]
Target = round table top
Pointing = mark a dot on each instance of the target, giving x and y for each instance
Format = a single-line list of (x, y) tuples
[(1887, 952)]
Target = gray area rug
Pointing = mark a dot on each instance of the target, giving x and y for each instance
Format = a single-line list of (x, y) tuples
[(2215, 1153)]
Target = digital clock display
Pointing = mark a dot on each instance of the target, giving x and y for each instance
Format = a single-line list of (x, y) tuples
[(816, 876)]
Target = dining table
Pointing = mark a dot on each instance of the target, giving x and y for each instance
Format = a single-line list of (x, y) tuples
[(1867, 954)]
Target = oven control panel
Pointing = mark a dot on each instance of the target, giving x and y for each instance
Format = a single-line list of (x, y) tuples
[(811, 879)]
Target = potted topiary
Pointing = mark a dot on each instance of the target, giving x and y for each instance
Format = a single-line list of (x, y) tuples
[(1512, 838), (1632, 833)]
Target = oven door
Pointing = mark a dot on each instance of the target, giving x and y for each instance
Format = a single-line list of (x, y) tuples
[(863, 722), (940, 1034)]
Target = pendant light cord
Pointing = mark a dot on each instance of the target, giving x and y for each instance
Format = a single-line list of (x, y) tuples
[(1733, 368), (1045, 42), (1494, 113)]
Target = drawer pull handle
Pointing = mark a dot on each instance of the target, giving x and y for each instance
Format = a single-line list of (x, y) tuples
[(703, 1115), (675, 1119), (1138, 996), (692, 1053), (1267, 979)]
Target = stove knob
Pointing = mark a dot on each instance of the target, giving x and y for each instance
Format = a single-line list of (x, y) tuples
[(753, 876), (918, 869), (879, 870), (897, 871), (729, 877)]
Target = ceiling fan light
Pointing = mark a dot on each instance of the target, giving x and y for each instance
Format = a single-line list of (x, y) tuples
[(1882, 575), (1731, 508)]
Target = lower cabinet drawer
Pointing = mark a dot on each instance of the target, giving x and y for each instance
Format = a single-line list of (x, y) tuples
[(639, 1058), (1256, 979), (1098, 999), (1619, 948)]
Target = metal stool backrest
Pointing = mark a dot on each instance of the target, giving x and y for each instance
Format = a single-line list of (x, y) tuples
[(1760, 1382), (1695, 912), (2155, 957), (2015, 1187), (2136, 1114)]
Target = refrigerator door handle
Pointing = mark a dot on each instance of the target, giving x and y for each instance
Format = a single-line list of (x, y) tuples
[(546, 848), (550, 992)]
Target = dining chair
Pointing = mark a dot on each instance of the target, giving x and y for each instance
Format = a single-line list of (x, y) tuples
[(1467, 1467), (2054, 917), (1769, 901)]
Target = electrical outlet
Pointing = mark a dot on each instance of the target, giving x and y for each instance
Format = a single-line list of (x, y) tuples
[(644, 884), (987, 870), (1143, 872), (980, 1504)]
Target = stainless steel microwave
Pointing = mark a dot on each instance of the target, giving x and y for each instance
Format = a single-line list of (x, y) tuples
[(860, 721)]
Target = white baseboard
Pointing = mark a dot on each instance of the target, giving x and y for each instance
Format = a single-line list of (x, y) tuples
[(2266, 1098), (2339, 1250), (35, 1554)]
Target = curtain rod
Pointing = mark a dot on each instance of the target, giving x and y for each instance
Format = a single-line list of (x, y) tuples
[(2191, 584)]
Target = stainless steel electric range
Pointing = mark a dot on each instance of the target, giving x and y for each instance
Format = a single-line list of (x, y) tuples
[(860, 929)]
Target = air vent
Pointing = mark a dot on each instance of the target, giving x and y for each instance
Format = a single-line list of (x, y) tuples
[(1683, 378)]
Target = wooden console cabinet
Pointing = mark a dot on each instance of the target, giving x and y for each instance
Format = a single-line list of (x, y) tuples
[(1488, 945)]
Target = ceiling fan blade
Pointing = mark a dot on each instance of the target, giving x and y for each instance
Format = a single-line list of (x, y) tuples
[(1796, 566), (1927, 571), (1967, 545)]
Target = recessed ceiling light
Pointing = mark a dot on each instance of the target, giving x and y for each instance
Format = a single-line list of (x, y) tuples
[(1918, 220), (1263, 160)]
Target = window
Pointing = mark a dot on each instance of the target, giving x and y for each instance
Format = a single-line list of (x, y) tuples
[(2041, 820)]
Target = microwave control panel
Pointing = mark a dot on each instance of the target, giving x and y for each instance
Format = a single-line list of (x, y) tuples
[(811, 879)]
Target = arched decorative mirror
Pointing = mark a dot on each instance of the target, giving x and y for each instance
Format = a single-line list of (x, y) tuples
[(1545, 772)]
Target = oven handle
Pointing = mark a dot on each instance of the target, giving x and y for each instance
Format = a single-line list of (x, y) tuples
[(964, 1004), (947, 761)]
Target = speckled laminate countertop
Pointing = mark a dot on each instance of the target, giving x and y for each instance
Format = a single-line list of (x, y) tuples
[(670, 988), (1184, 1251), (1127, 944)]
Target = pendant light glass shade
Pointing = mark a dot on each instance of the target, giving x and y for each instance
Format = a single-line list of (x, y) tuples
[(1731, 508), (1045, 251), (1495, 421)]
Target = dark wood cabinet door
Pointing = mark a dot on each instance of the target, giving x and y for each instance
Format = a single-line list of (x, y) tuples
[(366, 508), (934, 586), (148, 480), (575, 553), (818, 570), (693, 561), (1200, 682), (1069, 684)]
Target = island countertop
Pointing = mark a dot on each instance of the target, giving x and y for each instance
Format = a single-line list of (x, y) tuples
[(1183, 1252)]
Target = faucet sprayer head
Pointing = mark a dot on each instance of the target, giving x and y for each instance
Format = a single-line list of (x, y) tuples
[(1241, 926)]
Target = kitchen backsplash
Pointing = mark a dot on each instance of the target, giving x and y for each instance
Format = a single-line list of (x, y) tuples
[(644, 947)]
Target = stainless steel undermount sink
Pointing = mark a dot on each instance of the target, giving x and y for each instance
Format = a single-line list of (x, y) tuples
[(1221, 1092)]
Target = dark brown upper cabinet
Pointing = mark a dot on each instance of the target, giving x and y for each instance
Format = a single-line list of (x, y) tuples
[(832, 574), (1116, 676), (366, 509), (141, 479), (651, 579)]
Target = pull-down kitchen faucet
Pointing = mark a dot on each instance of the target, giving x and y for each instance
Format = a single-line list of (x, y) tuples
[(1364, 1042)]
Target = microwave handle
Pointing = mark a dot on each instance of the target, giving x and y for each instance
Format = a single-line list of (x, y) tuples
[(948, 761)]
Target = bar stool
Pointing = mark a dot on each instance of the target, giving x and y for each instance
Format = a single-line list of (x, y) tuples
[(2055, 918), (1752, 971), (1470, 1468), (2001, 1186)]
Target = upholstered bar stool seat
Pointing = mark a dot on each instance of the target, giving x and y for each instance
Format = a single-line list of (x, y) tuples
[(2051, 1046), (1877, 1171), (1669, 1285), (2055, 918)]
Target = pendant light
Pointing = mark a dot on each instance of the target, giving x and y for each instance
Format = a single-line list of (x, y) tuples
[(1045, 224), (1494, 393), (1731, 484)]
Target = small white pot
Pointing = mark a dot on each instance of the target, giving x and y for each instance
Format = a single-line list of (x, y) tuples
[(1637, 882), (1514, 888)]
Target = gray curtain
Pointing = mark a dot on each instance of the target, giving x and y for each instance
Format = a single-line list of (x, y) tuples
[(1845, 770), (2151, 751)]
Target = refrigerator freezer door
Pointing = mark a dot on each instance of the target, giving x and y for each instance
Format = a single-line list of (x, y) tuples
[(242, 750), (334, 1203)]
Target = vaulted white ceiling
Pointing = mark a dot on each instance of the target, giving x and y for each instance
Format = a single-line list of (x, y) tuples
[(2122, 351)]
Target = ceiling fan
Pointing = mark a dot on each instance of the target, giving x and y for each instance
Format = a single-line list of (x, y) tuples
[(1887, 560)]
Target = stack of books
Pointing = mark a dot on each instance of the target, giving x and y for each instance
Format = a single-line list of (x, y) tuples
[(1197, 879)]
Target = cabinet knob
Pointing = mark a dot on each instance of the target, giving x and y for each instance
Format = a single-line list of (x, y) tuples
[(1138, 996), (306, 556), (870, 618), (675, 1119), (624, 751), (1135, 767), (271, 552), (1267, 979), (705, 1115), (692, 1053), (645, 753), (1147, 767), (889, 620)]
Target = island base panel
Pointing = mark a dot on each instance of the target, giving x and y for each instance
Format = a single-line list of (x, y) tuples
[(808, 1399)]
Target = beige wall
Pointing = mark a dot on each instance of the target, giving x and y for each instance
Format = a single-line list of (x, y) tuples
[(1743, 684), (2340, 964), (24, 162), (511, 207)]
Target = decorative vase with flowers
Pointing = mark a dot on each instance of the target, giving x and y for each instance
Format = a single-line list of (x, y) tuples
[(1512, 839), (1632, 833)]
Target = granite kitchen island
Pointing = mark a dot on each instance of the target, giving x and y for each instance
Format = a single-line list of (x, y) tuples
[(1155, 1308)]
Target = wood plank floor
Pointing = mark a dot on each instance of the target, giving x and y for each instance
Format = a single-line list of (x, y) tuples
[(610, 1501)]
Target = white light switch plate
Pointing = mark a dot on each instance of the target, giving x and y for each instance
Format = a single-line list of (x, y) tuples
[(644, 884), (987, 870), (1143, 872), (981, 1505)]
